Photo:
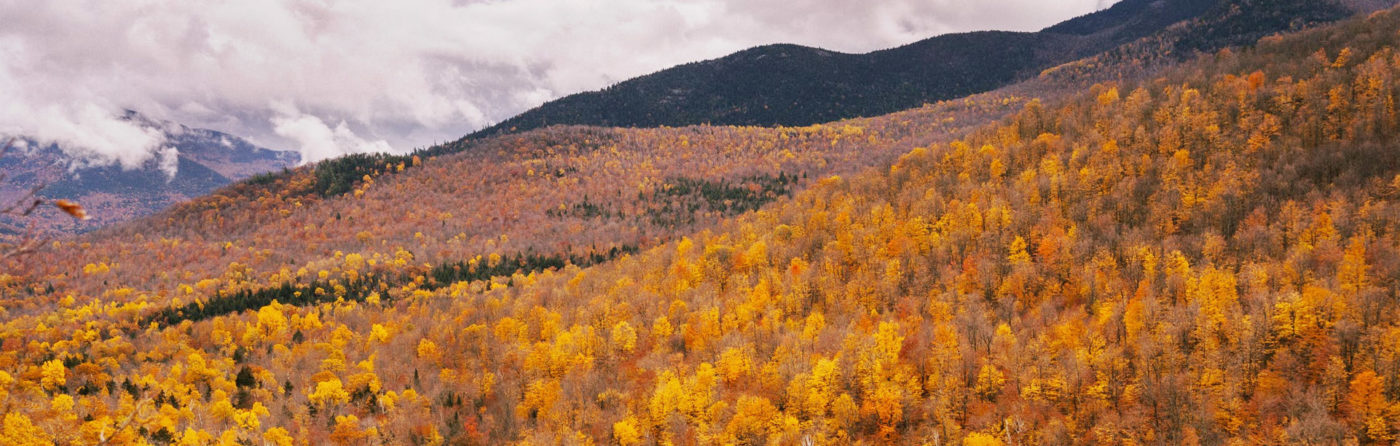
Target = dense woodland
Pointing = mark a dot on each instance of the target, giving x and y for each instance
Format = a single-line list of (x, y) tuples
[(1209, 255), (514, 195)]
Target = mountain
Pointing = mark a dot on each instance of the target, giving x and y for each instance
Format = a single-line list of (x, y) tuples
[(1207, 254), (203, 161), (795, 85)]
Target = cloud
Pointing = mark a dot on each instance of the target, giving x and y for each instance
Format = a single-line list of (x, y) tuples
[(319, 141), (398, 74), (169, 162)]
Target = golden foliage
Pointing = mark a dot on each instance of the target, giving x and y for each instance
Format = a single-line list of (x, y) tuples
[(1208, 255)]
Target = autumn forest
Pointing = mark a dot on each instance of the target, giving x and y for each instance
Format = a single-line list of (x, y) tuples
[(1203, 252)]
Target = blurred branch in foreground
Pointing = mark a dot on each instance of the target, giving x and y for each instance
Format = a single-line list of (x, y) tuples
[(21, 208)]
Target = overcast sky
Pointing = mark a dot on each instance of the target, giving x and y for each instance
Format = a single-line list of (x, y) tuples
[(331, 77)]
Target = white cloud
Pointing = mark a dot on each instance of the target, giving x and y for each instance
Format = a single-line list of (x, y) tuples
[(397, 73), (319, 141), (169, 162)]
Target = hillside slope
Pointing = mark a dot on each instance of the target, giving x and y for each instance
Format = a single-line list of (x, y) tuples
[(564, 192), (1210, 256)]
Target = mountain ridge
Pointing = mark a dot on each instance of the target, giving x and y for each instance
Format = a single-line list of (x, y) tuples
[(202, 161), (749, 88)]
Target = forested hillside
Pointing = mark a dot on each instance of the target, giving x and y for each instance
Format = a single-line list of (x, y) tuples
[(1208, 255), (564, 192), (795, 85)]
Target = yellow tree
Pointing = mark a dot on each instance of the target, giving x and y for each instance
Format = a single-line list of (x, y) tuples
[(53, 375), (329, 392), (624, 337), (1367, 407), (1351, 273), (626, 432), (16, 429)]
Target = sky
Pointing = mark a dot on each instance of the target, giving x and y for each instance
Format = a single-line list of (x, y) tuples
[(327, 78)]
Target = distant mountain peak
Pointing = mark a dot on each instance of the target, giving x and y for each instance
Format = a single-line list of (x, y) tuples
[(192, 162), (787, 84)]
